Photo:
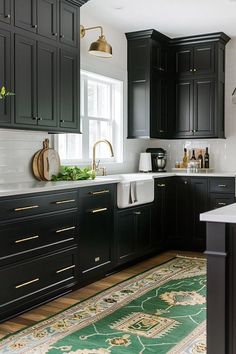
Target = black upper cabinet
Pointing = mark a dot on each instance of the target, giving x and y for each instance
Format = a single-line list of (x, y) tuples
[(26, 15), (147, 84), (35, 83), (5, 11), (47, 18), (176, 86), (25, 81), (5, 78), (195, 59), (46, 85), (68, 24), (69, 97), (40, 66)]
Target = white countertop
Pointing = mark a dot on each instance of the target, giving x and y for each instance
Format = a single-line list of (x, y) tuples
[(37, 186), (226, 214)]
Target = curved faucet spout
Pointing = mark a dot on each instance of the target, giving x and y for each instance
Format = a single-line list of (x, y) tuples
[(94, 166)]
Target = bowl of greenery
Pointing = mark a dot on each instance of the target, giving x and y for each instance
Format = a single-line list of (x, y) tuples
[(74, 173)]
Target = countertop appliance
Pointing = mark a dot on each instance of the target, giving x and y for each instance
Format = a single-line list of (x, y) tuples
[(145, 164), (158, 156)]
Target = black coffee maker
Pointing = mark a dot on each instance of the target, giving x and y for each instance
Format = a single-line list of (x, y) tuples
[(158, 156)]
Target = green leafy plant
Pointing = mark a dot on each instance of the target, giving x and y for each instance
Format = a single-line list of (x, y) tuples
[(4, 93), (74, 173)]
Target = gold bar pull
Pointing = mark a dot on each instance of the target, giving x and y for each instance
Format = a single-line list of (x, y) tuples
[(27, 283), (26, 208), (65, 201), (64, 269), (27, 239), (65, 229), (100, 192), (94, 211)]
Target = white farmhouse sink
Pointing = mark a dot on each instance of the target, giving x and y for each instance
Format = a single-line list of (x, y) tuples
[(134, 189)]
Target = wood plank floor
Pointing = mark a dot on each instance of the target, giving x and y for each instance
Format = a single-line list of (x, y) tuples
[(55, 306)]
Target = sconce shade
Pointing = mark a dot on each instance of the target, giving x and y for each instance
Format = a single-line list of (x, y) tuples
[(101, 48)]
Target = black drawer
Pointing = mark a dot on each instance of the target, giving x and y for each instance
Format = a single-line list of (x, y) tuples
[(222, 185), (39, 235), (95, 198), (11, 208), (220, 200), (27, 280)]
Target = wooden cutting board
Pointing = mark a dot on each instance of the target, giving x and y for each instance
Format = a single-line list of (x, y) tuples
[(46, 162)]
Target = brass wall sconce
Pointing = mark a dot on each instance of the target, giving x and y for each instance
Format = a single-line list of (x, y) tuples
[(100, 48)]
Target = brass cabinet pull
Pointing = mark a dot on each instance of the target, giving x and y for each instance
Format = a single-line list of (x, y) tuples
[(161, 185), (221, 203), (65, 229), (100, 192), (27, 283), (64, 269), (27, 239), (94, 211), (222, 185), (27, 208), (65, 201)]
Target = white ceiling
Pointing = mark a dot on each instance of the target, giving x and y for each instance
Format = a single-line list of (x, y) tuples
[(172, 17)]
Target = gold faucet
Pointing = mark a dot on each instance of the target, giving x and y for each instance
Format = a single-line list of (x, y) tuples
[(94, 165)]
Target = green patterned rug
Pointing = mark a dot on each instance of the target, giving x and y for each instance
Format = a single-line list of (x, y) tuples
[(162, 310)]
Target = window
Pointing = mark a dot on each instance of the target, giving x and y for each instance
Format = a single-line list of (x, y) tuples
[(101, 107)]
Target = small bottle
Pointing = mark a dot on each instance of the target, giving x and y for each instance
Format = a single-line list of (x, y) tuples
[(206, 159), (193, 158), (185, 159), (200, 159)]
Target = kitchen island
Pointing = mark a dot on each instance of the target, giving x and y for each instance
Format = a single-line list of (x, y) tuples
[(221, 279)]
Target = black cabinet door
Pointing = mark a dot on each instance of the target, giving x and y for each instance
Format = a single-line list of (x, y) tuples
[(182, 239), (68, 23), (47, 18), (164, 220), (95, 241), (46, 85), (25, 15), (204, 59), (69, 97), (145, 237), (5, 79), (184, 108), (25, 81), (184, 61), (159, 106), (5, 11), (139, 88), (199, 198), (126, 236), (204, 107)]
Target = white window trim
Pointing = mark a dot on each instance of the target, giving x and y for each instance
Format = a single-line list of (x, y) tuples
[(117, 134)]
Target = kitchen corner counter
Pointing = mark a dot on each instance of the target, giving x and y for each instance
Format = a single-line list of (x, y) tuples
[(226, 214)]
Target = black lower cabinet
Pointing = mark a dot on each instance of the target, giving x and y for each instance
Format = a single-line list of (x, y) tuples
[(37, 280), (199, 204), (134, 233), (96, 235), (164, 216), (191, 199)]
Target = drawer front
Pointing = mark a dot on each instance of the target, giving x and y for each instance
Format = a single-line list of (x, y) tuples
[(11, 208), (96, 199), (220, 200), (40, 235), (28, 279), (222, 185)]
